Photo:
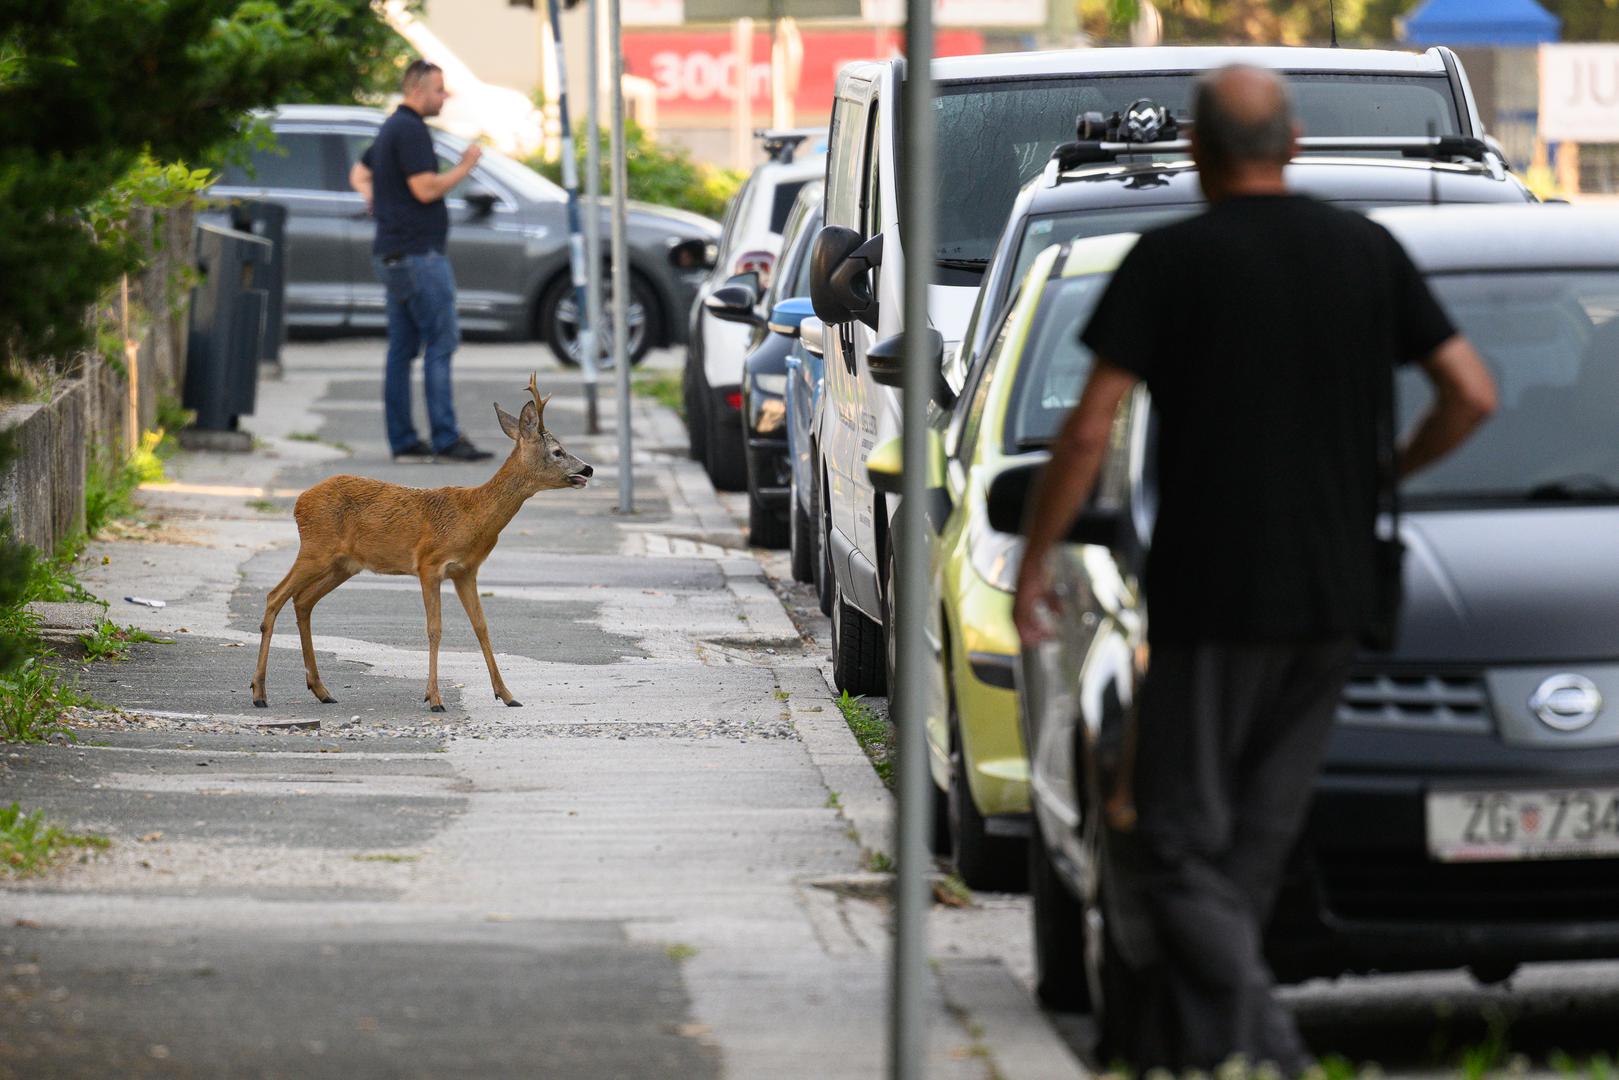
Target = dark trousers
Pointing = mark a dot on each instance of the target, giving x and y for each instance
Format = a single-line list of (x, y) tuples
[(421, 316), (1229, 738)]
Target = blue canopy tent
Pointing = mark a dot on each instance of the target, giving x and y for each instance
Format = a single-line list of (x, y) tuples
[(1464, 23)]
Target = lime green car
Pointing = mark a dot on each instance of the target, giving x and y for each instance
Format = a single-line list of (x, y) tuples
[(1010, 409)]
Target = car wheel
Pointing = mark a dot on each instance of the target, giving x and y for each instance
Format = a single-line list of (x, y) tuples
[(985, 862), (725, 457), (801, 538), (696, 416), (559, 321), (767, 526), (1060, 979), (823, 547), (857, 648)]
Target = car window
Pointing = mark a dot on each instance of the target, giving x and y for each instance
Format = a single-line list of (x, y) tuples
[(1551, 339), (1041, 231), (1055, 363), (296, 162), (843, 176), (782, 204), (994, 136), (975, 408)]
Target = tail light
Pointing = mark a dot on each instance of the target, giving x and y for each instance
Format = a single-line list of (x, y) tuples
[(756, 262), (734, 400)]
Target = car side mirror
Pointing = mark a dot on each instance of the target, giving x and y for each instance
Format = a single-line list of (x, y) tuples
[(886, 362), (734, 303), (1012, 489), (750, 279), (481, 200), (694, 254), (840, 276), (788, 314), (885, 465), (812, 333)]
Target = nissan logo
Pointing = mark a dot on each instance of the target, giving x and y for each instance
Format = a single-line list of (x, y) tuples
[(1566, 702)]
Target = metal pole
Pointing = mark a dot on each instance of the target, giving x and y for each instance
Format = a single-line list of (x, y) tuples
[(576, 236), (907, 1037), (621, 276), (590, 337)]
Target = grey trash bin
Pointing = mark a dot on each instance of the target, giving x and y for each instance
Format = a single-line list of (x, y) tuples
[(268, 220), (228, 309)]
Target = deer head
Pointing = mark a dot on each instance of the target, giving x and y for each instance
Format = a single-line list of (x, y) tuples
[(542, 457)]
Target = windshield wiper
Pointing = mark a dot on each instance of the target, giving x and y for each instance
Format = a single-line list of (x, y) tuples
[(964, 264), (1575, 489)]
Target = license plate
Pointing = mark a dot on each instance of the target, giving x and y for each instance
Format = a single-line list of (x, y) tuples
[(1504, 826)]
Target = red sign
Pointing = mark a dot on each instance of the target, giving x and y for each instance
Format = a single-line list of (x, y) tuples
[(695, 72)]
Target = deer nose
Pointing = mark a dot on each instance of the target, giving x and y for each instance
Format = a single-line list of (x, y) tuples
[(586, 470)]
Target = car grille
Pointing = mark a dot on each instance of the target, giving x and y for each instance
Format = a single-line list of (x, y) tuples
[(1410, 888), (1416, 701)]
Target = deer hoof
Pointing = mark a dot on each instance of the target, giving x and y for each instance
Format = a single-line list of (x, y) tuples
[(514, 704), (260, 703), (437, 708), (328, 700)]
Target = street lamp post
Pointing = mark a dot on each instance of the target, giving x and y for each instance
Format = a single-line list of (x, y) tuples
[(621, 277), (907, 1044)]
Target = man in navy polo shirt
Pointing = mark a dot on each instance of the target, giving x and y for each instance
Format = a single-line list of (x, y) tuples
[(399, 177)]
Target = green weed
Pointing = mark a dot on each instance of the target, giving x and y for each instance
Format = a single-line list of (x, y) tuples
[(874, 734), (32, 700), (304, 436), (263, 506), (879, 863), (679, 952), (832, 801), (28, 845), (664, 388), (387, 857), (109, 641)]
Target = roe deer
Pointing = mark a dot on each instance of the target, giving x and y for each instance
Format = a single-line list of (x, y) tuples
[(350, 523)]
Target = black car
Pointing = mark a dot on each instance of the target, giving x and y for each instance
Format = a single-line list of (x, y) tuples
[(1467, 811), (763, 411)]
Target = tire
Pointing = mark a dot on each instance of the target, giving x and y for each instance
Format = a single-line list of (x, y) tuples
[(857, 649), (801, 539), (556, 322), (767, 526), (987, 863), (724, 456), (1060, 980), (696, 416), (824, 575), (939, 800)]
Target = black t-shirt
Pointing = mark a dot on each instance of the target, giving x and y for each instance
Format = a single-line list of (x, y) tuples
[(405, 224), (1266, 330)]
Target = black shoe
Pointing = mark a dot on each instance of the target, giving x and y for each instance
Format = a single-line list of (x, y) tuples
[(416, 451), (462, 450)]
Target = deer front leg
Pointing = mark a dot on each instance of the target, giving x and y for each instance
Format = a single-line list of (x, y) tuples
[(285, 590), (430, 600), (466, 587)]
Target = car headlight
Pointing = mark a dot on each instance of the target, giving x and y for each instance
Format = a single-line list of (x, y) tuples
[(771, 384), (995, 556)]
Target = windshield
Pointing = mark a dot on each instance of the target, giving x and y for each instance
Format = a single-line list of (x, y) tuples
[(521, 179), (1054, 365), (994, 136), (1551, 339)]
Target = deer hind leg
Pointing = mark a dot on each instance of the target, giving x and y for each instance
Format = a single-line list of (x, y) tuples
[(302, 571), (303, 604), (435, 625), (466, 587)]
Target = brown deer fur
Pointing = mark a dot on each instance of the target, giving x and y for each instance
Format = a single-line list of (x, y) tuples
[(350, 523)]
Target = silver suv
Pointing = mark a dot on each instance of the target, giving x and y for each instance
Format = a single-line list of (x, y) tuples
[(508, 238)]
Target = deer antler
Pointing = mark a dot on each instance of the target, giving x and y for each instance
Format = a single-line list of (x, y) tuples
[(539, 402)]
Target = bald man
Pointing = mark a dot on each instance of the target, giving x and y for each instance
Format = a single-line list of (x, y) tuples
[(1267, 330)]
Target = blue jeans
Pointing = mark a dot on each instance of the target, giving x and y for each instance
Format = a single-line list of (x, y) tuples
[(421, 314)]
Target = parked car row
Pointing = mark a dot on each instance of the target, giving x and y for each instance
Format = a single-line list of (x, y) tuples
[(1468, 810)]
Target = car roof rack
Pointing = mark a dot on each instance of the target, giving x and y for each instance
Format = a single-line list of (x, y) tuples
[(1073, 155), (781, 144)]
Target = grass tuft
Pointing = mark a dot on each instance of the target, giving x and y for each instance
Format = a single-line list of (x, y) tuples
[(32, 701), (680, 952), (874, 734), (663, 387), (29, 846), (109, 641)]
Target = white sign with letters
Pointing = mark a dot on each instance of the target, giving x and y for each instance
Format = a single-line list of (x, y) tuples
[(1579, 93)]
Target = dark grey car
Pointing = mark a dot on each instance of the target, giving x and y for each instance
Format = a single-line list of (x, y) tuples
[(508, 238)]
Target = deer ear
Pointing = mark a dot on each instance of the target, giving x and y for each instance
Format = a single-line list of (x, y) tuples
[(529, 424), (508, 422)]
